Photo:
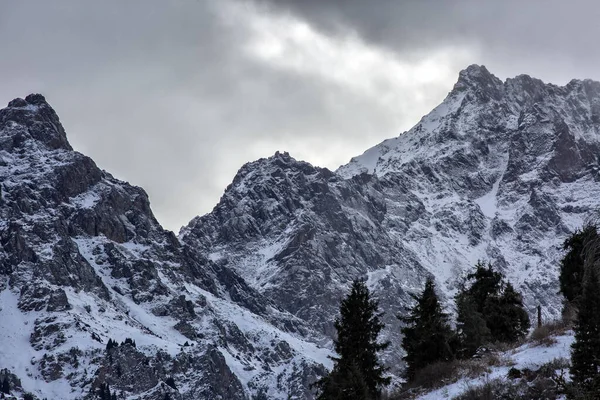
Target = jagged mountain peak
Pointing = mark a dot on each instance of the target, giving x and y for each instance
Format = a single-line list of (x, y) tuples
[(586, 87), (83, 260), (475, 72), (480, 109), (261, 191), (31, 101), (279, 166), (32, 118), (477, 76)]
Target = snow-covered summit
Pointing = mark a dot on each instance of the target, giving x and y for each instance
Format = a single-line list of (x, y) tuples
[(477, 77), (481, 105), (32, 117)]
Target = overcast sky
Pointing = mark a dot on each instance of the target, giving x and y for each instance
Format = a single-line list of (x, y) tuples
[(175, 95)]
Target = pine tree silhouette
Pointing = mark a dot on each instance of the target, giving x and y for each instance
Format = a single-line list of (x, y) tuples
[(357, 373), (585, 351), (507, 319), (497, 302), (572, 264), (427, 335)]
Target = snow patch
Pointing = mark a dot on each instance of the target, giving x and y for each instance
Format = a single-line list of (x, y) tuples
[(16, 353), (86, 200), (526, 356)]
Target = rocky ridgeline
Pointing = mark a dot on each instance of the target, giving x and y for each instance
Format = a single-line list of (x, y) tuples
[(242, 304), (83, 260), (500, 171)]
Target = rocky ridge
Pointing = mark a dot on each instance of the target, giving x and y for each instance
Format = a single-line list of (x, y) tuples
[(83, 260)]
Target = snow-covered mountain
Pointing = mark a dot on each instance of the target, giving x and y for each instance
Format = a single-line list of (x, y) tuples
[(83, 260), (500, 171)]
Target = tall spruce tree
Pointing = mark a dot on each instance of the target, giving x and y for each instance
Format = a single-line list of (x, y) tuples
[(427, 335), (572, 264), (487, 283), (487, 296), (471, 328), (357, 373), (585, 351), (506, 317)]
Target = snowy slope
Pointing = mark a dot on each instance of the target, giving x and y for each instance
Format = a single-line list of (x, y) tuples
[(528, 356)]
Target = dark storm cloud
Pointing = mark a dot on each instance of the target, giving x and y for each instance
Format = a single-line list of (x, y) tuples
[(167, 94), (117, 73), (175, 95), (554, 40)]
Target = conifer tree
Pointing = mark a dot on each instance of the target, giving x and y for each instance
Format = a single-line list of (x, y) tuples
[(345, 383), (497, 302), (111, 344), (572, 264), (357, 373), (585, 351), (506, 317), (427, 335), (471, 328), (487, 284)]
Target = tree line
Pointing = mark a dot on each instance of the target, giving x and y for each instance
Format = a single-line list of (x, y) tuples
[(488, 310)]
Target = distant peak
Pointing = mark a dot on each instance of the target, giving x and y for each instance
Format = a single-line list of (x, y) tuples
[(588, 85), (39, 120), (477, 77), (282, 155), (279, 164), (475, 71), (477, 74), (278, 160), (34, 99)]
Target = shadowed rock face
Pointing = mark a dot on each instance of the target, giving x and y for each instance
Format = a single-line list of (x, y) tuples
[(32, 118), (299, 234), (83, 260), (500, 171)]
